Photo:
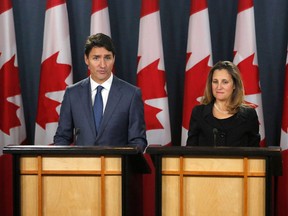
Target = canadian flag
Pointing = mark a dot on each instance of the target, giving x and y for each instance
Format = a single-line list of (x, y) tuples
[(100, 21), (151, 75), (199, 61), (282, 196), (152, 81), (56, 71), (12, 124), (246, 59)]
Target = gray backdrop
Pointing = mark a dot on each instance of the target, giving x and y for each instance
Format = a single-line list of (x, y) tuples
[(271, 17)]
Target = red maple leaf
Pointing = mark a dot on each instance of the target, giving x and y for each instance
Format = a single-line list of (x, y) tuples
[(53, 77), (195, 80), (253, 105), (285, 104), (151, 80), (9, 79), (250, 75), (150, 117)]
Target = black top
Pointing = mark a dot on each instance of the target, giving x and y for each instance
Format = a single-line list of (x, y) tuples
[(241, 129)]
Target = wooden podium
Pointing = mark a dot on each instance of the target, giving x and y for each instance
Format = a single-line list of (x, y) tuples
[(218, 181), (58, 180)]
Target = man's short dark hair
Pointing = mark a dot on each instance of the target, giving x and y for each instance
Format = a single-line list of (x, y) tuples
[(99, 40)]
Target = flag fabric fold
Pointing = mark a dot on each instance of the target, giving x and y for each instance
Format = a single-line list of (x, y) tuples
[(245, 57), (56, 71), (199, 61), (100, 22), (152, 81), (151, 75), (282, 187), (12, 124)]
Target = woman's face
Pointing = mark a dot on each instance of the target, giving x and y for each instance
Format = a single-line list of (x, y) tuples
[(222, 85)]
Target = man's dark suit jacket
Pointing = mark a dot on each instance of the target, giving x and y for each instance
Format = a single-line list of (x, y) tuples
[(122, 123), (206, 130)]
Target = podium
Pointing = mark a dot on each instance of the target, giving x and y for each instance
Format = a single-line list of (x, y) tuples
[(74, 180), (215, 181)]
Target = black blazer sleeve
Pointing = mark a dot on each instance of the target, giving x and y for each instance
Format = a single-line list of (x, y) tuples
[(253, 135), (194, 126)]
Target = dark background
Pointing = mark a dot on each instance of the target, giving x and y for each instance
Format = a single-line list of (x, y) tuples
[(271, 20)]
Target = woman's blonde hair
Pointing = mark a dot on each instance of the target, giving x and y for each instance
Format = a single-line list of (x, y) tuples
[(237, 98)]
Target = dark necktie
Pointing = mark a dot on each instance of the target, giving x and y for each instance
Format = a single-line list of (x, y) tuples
[(98, 107)]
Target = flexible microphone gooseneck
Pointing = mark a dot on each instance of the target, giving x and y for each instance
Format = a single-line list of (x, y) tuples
[(215, 132), (77, 132)]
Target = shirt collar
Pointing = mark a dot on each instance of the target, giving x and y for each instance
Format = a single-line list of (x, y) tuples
[(107, 84)]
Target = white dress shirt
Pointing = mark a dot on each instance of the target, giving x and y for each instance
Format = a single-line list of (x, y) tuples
[(105, 91)]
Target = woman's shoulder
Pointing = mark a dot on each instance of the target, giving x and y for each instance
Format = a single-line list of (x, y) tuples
[(247, 111), (201, 109)]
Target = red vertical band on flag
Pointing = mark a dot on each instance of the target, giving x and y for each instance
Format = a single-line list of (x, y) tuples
[(99, 5), (5, 5), (53, 3), (197, 6), (285, 103), (243, 5), (149, 6)]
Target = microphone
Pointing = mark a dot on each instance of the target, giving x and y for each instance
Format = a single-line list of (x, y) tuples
[(215, 132), (77, 132)]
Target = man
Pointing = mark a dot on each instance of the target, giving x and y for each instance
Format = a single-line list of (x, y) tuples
[(122, 122)]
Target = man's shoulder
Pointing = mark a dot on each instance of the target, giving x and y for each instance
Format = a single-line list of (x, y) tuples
[(80, 83), (124, 84)]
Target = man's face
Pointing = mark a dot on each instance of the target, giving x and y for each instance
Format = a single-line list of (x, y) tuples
[(100, 62)]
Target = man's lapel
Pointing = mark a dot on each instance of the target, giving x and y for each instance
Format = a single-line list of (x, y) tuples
[(114, 97), (85, 98)]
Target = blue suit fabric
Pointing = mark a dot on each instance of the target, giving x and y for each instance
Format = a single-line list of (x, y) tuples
[(122, 122)]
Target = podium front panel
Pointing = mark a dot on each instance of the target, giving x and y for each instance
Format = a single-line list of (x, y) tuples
[(213, 186), (70, 185), (77, 180), (218, 181)]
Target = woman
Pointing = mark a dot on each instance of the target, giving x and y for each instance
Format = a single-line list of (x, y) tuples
[(223, 118)]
